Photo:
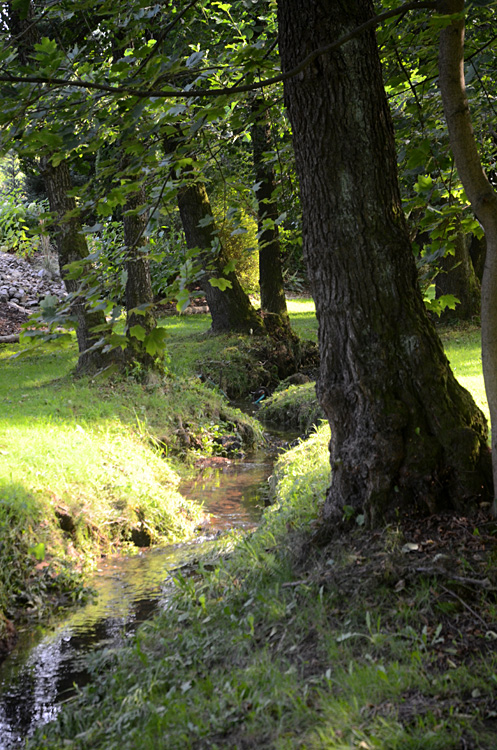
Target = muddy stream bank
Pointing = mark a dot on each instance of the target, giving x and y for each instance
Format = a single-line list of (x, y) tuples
[(40, 674)]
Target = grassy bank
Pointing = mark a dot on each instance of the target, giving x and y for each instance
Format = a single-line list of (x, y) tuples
[(87, 467), (382, 641), (386, 640)]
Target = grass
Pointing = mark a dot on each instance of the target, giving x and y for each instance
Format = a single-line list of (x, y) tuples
[(370, 642), (463, 348), (87, 467), (279, 647)]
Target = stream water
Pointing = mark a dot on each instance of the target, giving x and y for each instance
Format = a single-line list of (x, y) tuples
[(40, 674)]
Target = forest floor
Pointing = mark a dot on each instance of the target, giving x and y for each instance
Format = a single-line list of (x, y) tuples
[(381, 640)]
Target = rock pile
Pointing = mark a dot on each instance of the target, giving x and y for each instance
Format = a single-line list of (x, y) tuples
[(25, 283)]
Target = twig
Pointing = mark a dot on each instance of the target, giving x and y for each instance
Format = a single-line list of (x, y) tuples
[(475, 614), (484, 582)]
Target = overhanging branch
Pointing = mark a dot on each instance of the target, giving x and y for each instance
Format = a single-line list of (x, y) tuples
[(227, 90)]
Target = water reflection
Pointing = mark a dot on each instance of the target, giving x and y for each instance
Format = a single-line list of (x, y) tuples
[(232, 493), (44, 668)]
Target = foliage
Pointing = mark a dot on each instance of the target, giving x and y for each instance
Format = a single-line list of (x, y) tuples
[(237, 232), (20, 224)]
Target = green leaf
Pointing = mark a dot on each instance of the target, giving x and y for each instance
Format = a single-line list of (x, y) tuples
[(182, 300), (221, 283), (138, 332), (38, 551), (155, 341), (52, 140)]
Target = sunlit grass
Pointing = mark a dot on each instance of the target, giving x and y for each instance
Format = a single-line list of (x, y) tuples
[(463, 348)]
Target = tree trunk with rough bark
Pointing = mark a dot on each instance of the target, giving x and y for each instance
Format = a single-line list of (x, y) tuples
[(273, 301), (71, 246), (231, 309), (458, 277), (405, 436), (480, 192), (139, 292)]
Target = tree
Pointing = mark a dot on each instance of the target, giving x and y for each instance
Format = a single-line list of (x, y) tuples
[(140, 318), (71, 243), (273, 301), (72, 247), (404, 434), (230, 307), (479, 190)]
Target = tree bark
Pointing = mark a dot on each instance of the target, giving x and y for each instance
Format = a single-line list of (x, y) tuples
[(138, 283), (458, 277), (231, 309), (273, 301), (404, 434), (480, 193), (71, 246)]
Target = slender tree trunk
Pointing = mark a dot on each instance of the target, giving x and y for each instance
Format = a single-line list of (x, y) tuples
[(231, 309), (71, 246), (273, 301), (480, 192), (138, 283), (404, 434)]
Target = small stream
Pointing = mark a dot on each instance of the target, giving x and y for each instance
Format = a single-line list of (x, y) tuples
[(39, 675)]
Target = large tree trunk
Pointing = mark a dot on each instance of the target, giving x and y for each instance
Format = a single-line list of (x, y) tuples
[(231, 309), (404, 434), (139, 295), (273, 301), (71, 246), (480, 192)]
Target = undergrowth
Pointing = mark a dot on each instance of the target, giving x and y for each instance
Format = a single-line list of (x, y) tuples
[(382, 640)]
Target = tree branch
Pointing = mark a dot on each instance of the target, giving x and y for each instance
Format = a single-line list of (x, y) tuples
[(227, 90)]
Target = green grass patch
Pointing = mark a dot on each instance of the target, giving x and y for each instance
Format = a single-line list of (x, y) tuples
[(302, 313), (463, 348), (87, 467)]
